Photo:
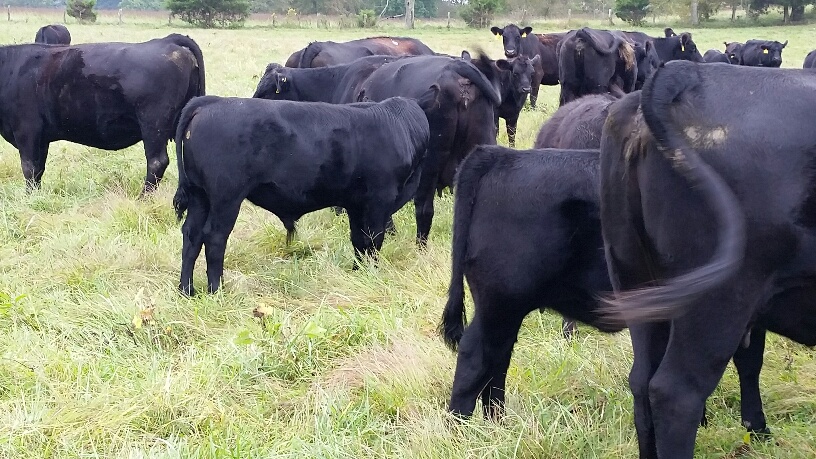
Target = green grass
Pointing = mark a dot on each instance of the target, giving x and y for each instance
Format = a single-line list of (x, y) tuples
[(100, 357)]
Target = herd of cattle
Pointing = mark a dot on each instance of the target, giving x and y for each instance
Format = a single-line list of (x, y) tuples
[(688, 190)]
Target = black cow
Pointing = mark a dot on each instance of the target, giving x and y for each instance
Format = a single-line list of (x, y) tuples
[(461, 118), (102, 95), (337, 84), (53, 34), (715, 55), (734, 51), (669, 48), (527, 235), (516, 80), (522, 42), (595, 62), (292, 158), (762, 53), (549, 56), (327, 53), (810, 60), (702, 257)]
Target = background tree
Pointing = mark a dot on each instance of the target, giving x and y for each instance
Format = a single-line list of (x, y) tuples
[(210, 13), (82, 10), (632, 11), (479, 13), (792, 10)]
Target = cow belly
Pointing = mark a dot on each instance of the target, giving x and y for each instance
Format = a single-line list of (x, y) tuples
[(100, 119)]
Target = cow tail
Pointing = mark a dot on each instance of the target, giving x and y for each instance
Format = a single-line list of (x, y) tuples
[(473, 168), (182, 197), (672, 298), (309, 53), (483, 82), (586, 36), (186, 42)]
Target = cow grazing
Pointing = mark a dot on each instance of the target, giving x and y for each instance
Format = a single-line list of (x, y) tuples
[(102, 95), (53, 34), (461, 117), (734, 51), (714, 55), (292, 158), (526, 234), (595, 62), (328, 53), (522, 42), (516, 81), (762, 53), (702, 257), (810, 60)]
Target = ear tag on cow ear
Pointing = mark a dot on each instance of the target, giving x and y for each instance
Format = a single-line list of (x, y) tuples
[(277, 90), (187, 136), (683, 48), (524, 35), (498, 37), (764, 51), (283, 79)]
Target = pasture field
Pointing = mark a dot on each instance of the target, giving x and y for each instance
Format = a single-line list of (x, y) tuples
[(101, 357)]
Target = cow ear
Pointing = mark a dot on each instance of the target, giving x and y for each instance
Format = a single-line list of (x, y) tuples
[(466, 55), (785, 44), (526, 31), (649, 45), (504, 64), (535, 60), (496, 31), (685, 38), (669, 32)]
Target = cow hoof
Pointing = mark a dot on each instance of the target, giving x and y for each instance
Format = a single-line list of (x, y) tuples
[(760, 435)]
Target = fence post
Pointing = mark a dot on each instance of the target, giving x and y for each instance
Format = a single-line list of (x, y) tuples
[(8, 12), (169, 18), (63, 17), (610, 17), (120, 15), (569, 16), (273, 19), (448, 20)]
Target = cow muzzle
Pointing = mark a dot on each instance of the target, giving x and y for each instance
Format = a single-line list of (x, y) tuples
[(510, 52), (526, 89)]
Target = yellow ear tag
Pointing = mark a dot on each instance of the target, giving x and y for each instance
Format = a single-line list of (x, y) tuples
[(498, 37), (747, 438), (524, 35), (277, 91), (682, 48), (283, 79), (188, 135), (764, 51)]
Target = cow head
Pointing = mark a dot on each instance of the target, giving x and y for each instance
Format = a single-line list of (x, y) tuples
[(685, 49), (772, 53), (521, 73), (511, 36), (668, 32), (275, 83), (647, 61), (733, 51)]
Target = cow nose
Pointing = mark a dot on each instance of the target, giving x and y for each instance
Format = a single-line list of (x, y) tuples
[(510, 51), (526, 89)]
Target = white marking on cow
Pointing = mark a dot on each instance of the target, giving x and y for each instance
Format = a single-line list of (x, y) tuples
[(395, 42)]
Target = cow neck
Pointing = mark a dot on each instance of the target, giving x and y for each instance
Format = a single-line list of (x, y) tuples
[(318, 84)]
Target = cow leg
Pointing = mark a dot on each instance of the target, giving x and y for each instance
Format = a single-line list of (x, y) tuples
[(568, 328), (483, 358), (193, 239), (390, 227), (217, 229), (33, 153), (424, 197), (367, 233), (648, 343), (693, 364), (510, 124), (749, 364), (155, 145)]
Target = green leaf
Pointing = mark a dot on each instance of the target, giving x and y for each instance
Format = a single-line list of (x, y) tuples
[(313, 331), (244, 338)]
